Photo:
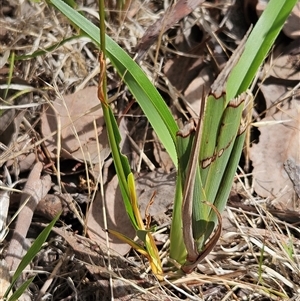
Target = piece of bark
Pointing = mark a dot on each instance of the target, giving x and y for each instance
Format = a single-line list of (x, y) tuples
[(35, 189)]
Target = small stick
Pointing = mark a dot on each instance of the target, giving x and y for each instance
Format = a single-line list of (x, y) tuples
[(35, 189)]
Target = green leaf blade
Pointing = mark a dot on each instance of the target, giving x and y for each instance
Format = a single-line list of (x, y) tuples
[(213, 113), (226, 183), (138, 83), (230, 123), (31, 253), (258, 45)]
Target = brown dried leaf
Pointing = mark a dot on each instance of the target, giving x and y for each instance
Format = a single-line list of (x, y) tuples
[(291, 27), (161, 155), (36, 188), (175, 13), (194, 92), (287, 64), (76, 111), (293, 171), (273, 93), (278, 142), (25, 161), (5, 279), (173, 70), (117, 219), (194, 47), (163, 185)]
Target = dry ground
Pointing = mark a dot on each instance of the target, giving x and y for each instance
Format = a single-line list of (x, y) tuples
[(257, 257)]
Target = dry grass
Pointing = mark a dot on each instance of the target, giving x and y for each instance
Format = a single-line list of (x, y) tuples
[(257, 257)]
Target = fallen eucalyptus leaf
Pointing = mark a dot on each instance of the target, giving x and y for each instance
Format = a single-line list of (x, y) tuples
[(278, 143), (117, 219), (75, 114)]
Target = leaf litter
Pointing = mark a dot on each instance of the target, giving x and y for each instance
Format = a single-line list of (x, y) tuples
[(73, 120), (278, 145), (260, 237)]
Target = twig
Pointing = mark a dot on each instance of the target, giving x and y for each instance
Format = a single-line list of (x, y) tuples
[(35, 189)]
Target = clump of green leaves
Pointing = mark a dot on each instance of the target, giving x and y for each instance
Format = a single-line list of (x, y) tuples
[(206, 159)]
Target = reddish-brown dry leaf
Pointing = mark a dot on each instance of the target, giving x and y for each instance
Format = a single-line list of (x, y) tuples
[(192, 66), (75, 113), (5, 278), (277, 144), (117, 219), (36, 188), (161, 156), (175, 13), (197, 88), (163, 185), (25, 161), (292, 26), (286, 62), (273, 93)]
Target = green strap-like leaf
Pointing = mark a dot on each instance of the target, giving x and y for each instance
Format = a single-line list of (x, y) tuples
[(140, 86), (228, 130), (19, 292), (258, 45), (221, 144), (31, 253)]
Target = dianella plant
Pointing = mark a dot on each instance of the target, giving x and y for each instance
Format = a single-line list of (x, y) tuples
[(205, 152), (208, 156)]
